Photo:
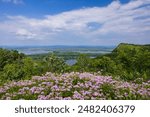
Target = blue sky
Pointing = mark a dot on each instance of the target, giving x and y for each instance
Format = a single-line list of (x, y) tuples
[(74, 22)]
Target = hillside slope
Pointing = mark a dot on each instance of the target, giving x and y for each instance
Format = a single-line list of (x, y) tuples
[(124, 46), (128, 61)]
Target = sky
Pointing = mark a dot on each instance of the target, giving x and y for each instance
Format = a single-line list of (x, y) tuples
[(74, 22)]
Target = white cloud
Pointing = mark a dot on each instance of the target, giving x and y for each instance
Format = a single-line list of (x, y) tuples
[(13, 1), (115, 21), (26, 34)]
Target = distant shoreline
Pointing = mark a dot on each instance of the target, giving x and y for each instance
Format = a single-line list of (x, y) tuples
[(32, 50)]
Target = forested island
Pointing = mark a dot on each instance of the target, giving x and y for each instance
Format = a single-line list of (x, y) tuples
[(122, 74)]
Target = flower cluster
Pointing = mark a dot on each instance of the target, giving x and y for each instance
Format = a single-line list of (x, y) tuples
[(74, 86)]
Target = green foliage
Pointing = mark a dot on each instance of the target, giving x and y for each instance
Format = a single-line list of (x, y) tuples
[(77, 80), (18, 71), (83, 62), (12, 72), (55, 64), (28, 67), (106, 65), (15, 66), (134, 60), (108, 90), (26, 97), (127, 61), (66, 94), (66, 55), (8, 57)]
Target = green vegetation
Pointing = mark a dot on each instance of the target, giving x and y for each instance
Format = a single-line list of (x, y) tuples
[(55, 64), (64, 55), (127, 62)]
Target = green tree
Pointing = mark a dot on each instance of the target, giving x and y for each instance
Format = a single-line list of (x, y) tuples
[(55, 64), (28, 67), (12, 72), (8, 57), (83, 62)]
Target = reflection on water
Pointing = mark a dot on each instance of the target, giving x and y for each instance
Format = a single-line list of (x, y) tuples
[(71, 61)]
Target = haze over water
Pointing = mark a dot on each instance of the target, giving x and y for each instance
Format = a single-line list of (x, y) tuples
[(29, 50)]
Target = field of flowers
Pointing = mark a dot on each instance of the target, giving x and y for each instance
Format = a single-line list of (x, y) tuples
[(74, 86)]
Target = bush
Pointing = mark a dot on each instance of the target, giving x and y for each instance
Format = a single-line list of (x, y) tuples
[(12, 72), (55, 64)]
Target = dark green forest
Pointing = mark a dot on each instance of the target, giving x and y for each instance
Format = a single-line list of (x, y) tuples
[(127, 62)]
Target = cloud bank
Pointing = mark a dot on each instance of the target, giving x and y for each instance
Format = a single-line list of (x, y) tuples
[(107, 25)]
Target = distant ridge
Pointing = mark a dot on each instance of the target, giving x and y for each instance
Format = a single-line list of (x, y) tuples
[(124, 46)]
